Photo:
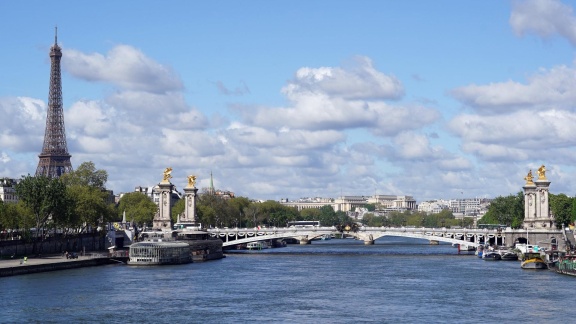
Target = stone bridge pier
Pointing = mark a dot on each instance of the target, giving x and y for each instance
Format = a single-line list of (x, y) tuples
[(366, 237), (303, 239)]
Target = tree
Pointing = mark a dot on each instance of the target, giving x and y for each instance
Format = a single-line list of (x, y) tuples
[(46, 199), (370, 219), (177, 210), (310, 214), (138, 207), (87, 188), (573, 212), (90, 207), (561, 207), (507, 210), (239, 206), (370, 207), (328, 216), (214, 210), (86, 175), (342, 217)]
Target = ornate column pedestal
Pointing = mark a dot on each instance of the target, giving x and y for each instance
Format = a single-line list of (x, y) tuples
[(536, 201), (162, 219), (189, 215)]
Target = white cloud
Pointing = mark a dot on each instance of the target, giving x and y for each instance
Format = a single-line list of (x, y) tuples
[(556, 86), (359, 80), (23, 123), (515, 136), (545, 18), (123, 66), (4, 158), (342, 98)]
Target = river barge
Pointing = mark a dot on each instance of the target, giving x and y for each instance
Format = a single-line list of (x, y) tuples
[(566, 265), (159, 253)]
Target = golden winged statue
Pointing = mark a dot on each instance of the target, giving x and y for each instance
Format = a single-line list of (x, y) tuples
[(542, 173), (191, 181), (167, 174), (529, 178)]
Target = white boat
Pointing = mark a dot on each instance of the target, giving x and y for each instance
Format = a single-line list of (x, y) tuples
[(508, 255), (491, 256), (259, 245)]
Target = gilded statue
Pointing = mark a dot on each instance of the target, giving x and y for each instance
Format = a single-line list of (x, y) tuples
[(191, 181), (542, 173), (167, 175), (529, 178)]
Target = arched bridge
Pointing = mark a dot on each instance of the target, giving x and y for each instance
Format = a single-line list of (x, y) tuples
[(464, 237)]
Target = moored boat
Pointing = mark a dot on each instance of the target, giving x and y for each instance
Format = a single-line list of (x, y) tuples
[(566, 265), (159, 253), (491, 256), (509, 256), (533, 261), (259, 245), (480, 251)]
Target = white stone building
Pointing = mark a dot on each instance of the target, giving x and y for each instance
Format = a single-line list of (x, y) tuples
[(7, 191), (350, 203)]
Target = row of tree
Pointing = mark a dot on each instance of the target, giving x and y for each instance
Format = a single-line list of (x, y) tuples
[(214, 211), (417, 219), (75, 203)]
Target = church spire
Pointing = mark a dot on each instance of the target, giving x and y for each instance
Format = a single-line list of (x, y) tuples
[(211, 189)]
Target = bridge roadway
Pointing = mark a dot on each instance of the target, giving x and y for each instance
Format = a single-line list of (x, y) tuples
[(464, 237)]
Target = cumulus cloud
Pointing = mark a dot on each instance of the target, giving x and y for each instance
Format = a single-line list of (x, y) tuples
[(515, 136), (545, 18), (340, 98), (24, 121), (556, 86), (359, 80), (4, 158), (123, 66)]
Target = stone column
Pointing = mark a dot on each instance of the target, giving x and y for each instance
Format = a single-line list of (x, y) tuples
[(189, 216), (162, 218), (543, 217), (529, 204), (536, 201)]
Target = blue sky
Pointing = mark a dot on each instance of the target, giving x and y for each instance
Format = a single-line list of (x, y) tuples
[(289, 99)]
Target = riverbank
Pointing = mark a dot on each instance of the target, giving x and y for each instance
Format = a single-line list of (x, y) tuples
[(21, 266)]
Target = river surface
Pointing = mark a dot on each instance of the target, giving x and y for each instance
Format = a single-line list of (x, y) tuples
[(337, 281)]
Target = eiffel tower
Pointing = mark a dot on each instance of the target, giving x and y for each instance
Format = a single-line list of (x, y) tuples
[(54, 159)]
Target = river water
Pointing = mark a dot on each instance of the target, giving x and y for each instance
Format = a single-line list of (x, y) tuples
[(337, 281)]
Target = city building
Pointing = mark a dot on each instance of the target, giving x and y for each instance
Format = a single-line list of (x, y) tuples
[(433, 206), (7, 190), (384, 203)]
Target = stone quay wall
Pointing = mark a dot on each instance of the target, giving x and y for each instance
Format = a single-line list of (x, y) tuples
[(52, 266), (541, 237), (79, 244)]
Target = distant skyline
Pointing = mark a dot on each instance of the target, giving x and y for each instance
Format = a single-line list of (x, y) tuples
[(289, 99)]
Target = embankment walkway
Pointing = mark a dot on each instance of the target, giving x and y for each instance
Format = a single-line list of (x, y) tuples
[(13, 267)]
